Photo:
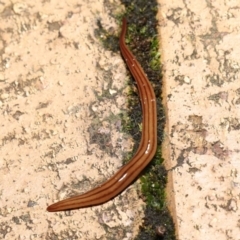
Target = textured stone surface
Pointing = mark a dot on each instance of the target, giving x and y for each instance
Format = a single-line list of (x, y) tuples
[(59, 91), (201, 62)]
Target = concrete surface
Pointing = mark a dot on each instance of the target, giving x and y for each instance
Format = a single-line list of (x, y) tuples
[(201, 62), (60, 96)]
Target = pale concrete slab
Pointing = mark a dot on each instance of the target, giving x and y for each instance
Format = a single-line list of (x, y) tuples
[(201, 68), (59, 91)]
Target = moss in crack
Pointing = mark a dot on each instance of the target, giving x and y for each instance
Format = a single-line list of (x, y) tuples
[(157, 222), (155, 54), (153, 183), (143, 41)]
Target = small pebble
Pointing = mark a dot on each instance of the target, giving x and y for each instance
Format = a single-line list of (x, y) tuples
[(112, 91), (18, 8)]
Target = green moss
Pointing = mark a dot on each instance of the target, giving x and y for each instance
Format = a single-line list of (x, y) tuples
[(153, 183), (143, 41), (155, 54)]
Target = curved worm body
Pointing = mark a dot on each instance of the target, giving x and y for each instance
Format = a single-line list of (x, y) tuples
[(146, 150)]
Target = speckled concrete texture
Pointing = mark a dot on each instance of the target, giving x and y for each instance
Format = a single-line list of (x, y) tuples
[(201, 66), (61, 95)]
